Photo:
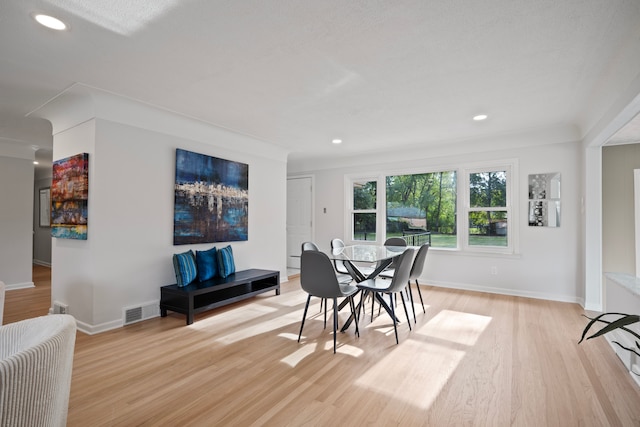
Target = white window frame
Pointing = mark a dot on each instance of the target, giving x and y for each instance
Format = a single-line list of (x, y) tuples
[(463, 204), (349, 231), (510, 167), (422, 171)]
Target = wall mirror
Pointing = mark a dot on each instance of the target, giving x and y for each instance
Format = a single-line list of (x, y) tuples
[(544, 200)]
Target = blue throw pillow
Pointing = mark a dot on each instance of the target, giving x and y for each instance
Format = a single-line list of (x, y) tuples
[(207, 263), (226, 265), (184, 265)]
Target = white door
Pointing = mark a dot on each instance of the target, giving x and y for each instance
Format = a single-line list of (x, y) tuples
[(299, 226)]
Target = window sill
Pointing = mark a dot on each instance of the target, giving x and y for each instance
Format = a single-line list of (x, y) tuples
[(472, 253)]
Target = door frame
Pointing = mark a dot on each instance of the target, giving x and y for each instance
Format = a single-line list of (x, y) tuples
[(313, 206)]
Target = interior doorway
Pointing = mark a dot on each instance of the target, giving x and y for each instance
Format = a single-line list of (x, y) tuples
[(299, 217)]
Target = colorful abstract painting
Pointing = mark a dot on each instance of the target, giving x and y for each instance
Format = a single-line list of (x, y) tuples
[(69, 196), (211, 199)]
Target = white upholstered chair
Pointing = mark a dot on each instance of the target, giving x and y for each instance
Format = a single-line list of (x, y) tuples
[(36, 360)]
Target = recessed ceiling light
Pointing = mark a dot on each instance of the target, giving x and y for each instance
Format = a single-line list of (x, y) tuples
[(336, 141), (479, 117), (35, 162), (50, 22)]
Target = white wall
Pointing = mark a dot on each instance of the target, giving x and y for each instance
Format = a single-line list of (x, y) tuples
[(73, 273), (16, 232), (548, 265), (127, 255)]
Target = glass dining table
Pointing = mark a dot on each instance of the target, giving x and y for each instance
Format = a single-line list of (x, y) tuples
[(378, 257)]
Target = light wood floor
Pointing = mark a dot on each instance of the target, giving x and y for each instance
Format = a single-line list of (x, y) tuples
[(472, 359)]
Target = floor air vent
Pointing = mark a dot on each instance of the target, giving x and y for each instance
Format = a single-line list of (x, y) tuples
[(142, 312), (132, 315)]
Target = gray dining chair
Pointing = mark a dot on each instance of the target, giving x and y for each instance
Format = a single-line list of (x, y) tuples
[(340, 266), (394, 241), (337, 244), (318, 279), (416, 272), (391, 241), (392, 288), (309, 246), (342, 278)]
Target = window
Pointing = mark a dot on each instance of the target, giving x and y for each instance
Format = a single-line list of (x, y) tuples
[(468, 208), (488, 209), (421, 208), (363, 222)]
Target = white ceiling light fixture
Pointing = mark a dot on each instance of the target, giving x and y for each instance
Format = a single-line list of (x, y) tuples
[(336, 141), (480, 117), (35, 162), (50, 22)]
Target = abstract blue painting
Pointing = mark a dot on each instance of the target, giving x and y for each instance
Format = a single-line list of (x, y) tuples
[(211, 199)]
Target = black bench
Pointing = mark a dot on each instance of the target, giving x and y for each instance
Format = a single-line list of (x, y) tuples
[(202, 296)]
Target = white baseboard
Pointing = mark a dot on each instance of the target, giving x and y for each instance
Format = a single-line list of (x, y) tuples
[(502, 291), (90, 329), (24, 285), (103, 327), (96, 329)]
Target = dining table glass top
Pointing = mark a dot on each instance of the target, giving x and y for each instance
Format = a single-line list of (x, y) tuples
[(366, 253)]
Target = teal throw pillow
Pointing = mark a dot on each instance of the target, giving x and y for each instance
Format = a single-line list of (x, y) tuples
[(226, 265), (207, 263), (184, 265)]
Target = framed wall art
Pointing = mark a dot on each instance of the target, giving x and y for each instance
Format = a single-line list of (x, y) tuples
[(544, 200), (69, 197), (211, 199)]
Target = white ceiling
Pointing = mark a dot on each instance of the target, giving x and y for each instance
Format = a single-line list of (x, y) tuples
[(296, 73)]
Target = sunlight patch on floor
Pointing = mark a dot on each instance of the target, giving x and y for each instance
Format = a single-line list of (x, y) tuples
[(299, 355), (347, 349), (289, 336), (238, 315), (258, 328), (455, 326), (310, 347), (382, 328), (298, 298), (421, 390), (417, 390)]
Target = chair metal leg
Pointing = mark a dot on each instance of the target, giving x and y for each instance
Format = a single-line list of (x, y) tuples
[(325, 313), (373, 300), (412, 306), (335, 322), (303, 316), (363, 294), (406, 312), (353, 311), (393, 315), (420, 293)]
